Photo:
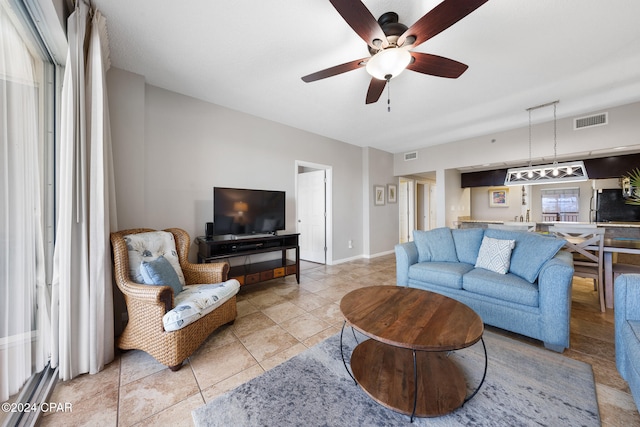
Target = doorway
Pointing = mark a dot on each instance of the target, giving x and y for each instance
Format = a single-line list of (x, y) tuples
[(425, 205), (313, 219), (406, 205), (417, 207)]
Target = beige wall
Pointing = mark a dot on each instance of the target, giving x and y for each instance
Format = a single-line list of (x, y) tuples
[(380, 222), (170, 150), (512, 146)]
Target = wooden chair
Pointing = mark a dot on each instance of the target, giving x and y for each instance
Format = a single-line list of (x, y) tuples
[(514, 226), (146, 305), (587, 246)]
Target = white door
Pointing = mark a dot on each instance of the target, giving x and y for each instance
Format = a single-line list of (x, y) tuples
[(432, 207), (403, 206), (311, 216), (423, 205)]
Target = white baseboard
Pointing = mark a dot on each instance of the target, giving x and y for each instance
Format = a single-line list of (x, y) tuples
[(379, 254), (343, 260), (362, 256)]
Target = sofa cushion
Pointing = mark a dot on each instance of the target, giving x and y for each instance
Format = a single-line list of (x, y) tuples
[(196, 301), (160, 272), (435, 245), (505, 287), (532, 250), (467, 241), (447, 274), (149, 246), (495, 254)]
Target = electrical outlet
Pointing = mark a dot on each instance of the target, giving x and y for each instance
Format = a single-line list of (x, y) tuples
[(350, 244)]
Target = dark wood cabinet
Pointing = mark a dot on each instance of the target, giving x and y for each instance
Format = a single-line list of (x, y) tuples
[(213, 250)]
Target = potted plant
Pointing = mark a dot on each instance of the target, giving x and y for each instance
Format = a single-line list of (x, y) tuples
[(634, 183)]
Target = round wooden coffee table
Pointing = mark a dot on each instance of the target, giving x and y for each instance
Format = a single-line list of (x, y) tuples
[(405, 366)]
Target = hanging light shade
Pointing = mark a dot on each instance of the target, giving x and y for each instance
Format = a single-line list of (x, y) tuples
[(549, 173), (388, 63)]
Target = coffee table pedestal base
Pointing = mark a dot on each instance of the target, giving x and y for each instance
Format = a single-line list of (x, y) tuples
[(387, 374)]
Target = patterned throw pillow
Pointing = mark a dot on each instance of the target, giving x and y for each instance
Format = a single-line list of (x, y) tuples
[(149, 246), (495, 254)]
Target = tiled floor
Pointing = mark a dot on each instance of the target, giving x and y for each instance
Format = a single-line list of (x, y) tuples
[(277, 320)]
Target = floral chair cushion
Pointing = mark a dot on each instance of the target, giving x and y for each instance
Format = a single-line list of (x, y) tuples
[(148, 247), (196, 301)]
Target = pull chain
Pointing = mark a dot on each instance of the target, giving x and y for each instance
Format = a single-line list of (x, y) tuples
[(555, 134), (388, 76), (529, 138)]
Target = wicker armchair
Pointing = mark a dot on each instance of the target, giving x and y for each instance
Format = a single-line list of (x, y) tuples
[(147, 304)]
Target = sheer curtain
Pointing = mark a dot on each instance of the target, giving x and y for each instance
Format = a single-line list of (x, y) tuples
[(23, 294), (82, 303)]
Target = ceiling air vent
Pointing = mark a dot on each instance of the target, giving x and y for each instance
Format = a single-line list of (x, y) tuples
[(590, 121), (410, 156)]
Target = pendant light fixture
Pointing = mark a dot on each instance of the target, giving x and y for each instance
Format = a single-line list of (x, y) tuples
[(549, 173)]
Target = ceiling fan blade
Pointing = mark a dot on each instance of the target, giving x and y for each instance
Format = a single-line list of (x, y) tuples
[(375, 90), (435, 65), (333, 71), (362, 21), (439, 19)]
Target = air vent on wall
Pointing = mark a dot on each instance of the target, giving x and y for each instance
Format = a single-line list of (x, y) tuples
[(590, 121), (410, 156)]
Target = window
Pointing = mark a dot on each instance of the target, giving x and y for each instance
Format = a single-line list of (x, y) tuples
[(27, 84), (563, 203)]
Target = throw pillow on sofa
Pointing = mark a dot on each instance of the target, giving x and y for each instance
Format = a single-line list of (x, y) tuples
[(435, 245), (531, 252), (495, 254)]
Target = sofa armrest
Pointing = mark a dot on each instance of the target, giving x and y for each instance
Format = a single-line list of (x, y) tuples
[(627, 297), (627, 307), (554, 287), (406, 255)]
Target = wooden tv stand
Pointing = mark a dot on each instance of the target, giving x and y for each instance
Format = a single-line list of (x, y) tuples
[(212, 250)]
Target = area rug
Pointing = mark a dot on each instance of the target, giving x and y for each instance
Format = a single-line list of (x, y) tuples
[(525, 386)]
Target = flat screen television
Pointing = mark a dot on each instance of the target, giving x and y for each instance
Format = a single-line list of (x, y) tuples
[(238, 211)]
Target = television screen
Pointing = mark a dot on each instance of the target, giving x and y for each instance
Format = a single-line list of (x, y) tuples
[(240, 211)]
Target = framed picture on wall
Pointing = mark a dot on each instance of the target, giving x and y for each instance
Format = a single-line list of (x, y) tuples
[(378, 195), (499, 197), (392, 193)]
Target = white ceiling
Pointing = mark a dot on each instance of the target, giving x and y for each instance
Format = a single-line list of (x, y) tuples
[(250, 55)]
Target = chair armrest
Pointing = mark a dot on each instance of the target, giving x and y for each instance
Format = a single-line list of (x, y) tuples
[(147, 294), (406, 255), (205, 273)]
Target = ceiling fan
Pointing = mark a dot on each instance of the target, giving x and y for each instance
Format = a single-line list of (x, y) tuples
[(390, 43)]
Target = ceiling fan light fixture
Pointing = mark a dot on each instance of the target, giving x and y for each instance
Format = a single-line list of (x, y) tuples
[(388, 62)]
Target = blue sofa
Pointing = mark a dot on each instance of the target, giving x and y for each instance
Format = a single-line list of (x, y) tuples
[(532, 297), (627, 327)]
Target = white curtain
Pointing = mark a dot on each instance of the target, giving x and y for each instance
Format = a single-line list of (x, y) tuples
[(24, 298), (82, 302)]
